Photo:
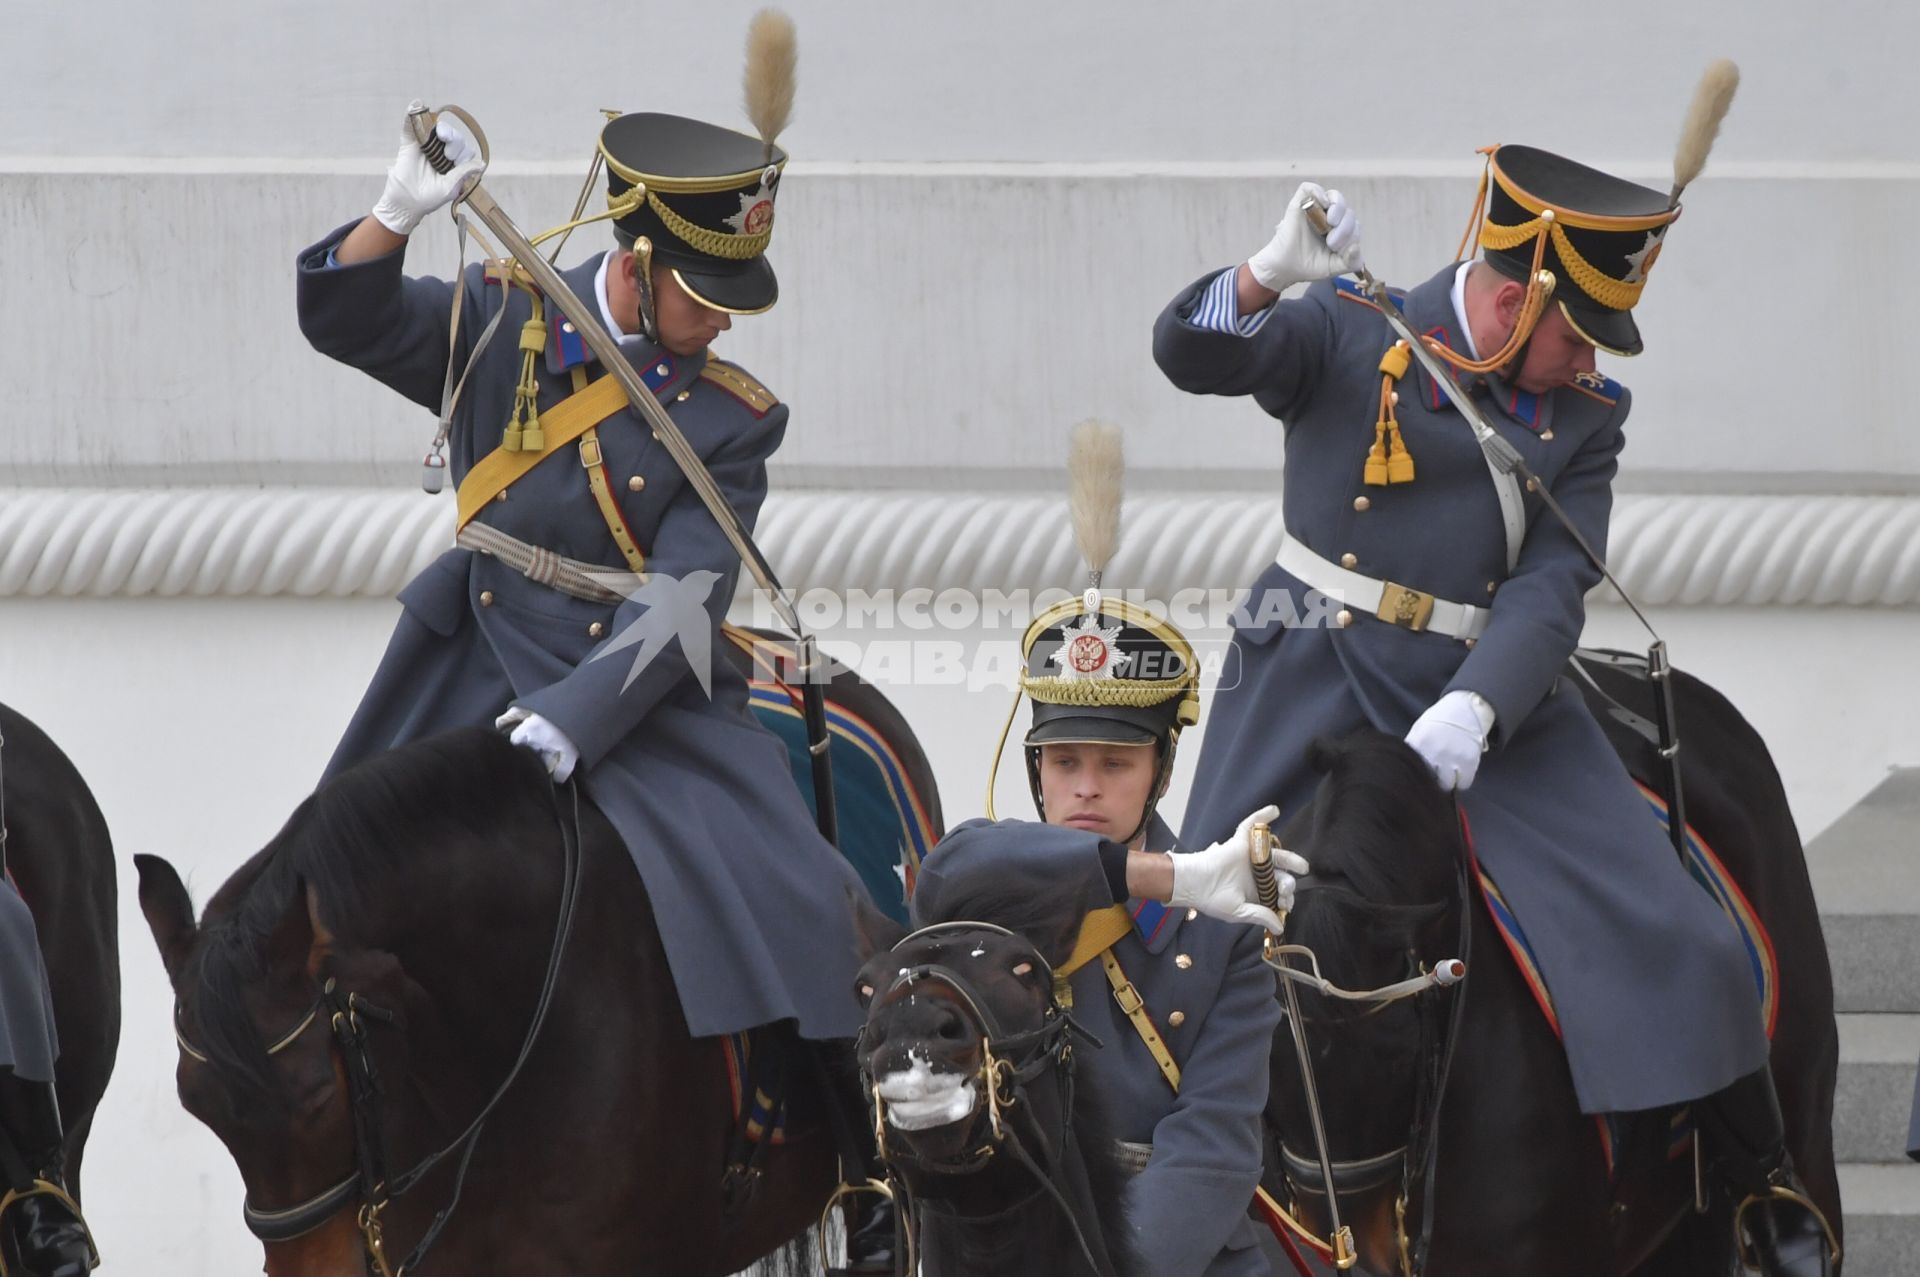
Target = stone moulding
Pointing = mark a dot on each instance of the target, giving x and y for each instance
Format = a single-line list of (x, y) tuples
[(1688, 550)]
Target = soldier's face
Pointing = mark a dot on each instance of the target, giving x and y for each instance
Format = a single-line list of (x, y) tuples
[(1099, 787), (1553, 356), (686, 326)]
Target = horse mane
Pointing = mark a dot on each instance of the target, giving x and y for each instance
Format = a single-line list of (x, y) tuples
[(1380, 837), (346, 841), (1019, 901)]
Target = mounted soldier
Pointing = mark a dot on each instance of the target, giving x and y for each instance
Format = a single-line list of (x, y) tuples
[(580, 607), (1415, 595), (1182, 1003)]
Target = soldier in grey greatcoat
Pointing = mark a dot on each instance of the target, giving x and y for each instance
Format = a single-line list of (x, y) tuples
[(622, 687), (1184, 1076), (1401, 599)]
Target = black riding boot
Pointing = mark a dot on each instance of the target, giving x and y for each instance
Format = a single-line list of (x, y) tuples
[(1781, 1231), (42, 1232), (872, 1232)]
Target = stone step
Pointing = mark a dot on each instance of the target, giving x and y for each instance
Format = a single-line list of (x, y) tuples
[(1883, 1219), (1864, 878), (1871, 1106), (1876, 962)]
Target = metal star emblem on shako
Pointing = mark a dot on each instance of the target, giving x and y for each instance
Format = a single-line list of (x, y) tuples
[(756, 207), (1090, 652), (1642, 261)]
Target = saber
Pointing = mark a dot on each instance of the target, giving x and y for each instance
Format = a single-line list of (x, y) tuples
[(586, 322), (1260, 852)]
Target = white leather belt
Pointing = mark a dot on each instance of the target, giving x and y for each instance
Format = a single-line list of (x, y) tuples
[(1387, 601)]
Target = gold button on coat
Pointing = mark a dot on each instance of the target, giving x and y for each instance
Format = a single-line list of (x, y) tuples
[(596, 630), (486, 598), (1183, 960), (1192, 914), (1492, 586), (1349, 560), (636, 484), (683, 396), (1177, 1019), (1343, 618), (1362, 504)]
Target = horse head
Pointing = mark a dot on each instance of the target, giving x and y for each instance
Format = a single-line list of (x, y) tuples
[(968, 1057), (298, 1022), (1381, 905)]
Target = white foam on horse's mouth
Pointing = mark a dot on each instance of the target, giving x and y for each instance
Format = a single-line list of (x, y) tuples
[(919, 1099)]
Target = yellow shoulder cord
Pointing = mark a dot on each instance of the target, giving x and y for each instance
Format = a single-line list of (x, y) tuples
[(1538, 289), (595, 466), (1389, 461)]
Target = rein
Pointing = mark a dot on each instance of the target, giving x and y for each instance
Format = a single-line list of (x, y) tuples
[(1008, 1063), (348, 1014), (1418, 1158)]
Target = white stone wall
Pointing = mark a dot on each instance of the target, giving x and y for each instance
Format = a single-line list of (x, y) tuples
[(989, 204)]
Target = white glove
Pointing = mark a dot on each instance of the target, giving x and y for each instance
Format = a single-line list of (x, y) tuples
[(414, 189), (1298, 254), (530, 731), (1452, 735), (1219, 881)]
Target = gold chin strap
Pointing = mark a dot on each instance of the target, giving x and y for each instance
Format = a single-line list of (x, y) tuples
[(993, 773)]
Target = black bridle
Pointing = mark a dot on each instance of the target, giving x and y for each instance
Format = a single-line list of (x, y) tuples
[(348, 1015), (1009, 1064), (1415, 1162)]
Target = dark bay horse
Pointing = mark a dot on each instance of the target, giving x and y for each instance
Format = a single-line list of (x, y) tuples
[(430, 884), (1005, 1165), (61, 858), (1519, 1180)]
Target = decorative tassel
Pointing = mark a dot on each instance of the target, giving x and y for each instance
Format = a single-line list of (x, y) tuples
[(1375, 474), (1388, 461)]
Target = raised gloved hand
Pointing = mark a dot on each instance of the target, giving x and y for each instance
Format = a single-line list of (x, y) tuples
[(1452, 735), (530, 731), (1298, 253), (414, 189), (1219, 881)]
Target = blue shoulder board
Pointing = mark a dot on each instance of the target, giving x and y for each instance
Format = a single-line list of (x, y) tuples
[(1351, 290), (1597, 386)]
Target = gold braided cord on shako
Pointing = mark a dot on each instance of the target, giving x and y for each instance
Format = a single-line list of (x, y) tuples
[(726, 244), (1552, 221), (1130, 693), (1615, 294)]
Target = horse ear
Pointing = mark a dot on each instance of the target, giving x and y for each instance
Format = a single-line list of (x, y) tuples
[(168, 909), (875, 931)]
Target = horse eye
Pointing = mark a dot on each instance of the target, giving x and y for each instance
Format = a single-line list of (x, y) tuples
[(1023, 968), (866, 992)]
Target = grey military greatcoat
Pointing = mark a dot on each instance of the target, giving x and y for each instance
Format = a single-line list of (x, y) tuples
[(751, 902), (1212, 999), (29, 1044), (1649, 981)]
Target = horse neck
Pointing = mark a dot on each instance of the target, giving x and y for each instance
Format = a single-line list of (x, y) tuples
[(1003, 1219)]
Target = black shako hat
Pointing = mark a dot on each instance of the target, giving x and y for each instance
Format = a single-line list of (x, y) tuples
[(703, 196), (1602, 235), (1117, 675)]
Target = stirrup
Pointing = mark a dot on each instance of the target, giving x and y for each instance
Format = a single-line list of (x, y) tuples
[(1779, 1193), (47, 1188), (843, 1191)]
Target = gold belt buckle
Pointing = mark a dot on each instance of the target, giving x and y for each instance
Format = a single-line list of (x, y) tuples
[(1405, 606)]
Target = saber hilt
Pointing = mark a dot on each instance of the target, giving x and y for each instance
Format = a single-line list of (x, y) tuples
[(422, 122), (1260, 852)]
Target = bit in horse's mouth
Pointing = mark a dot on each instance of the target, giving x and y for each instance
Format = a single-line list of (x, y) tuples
[(919, 1099)]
